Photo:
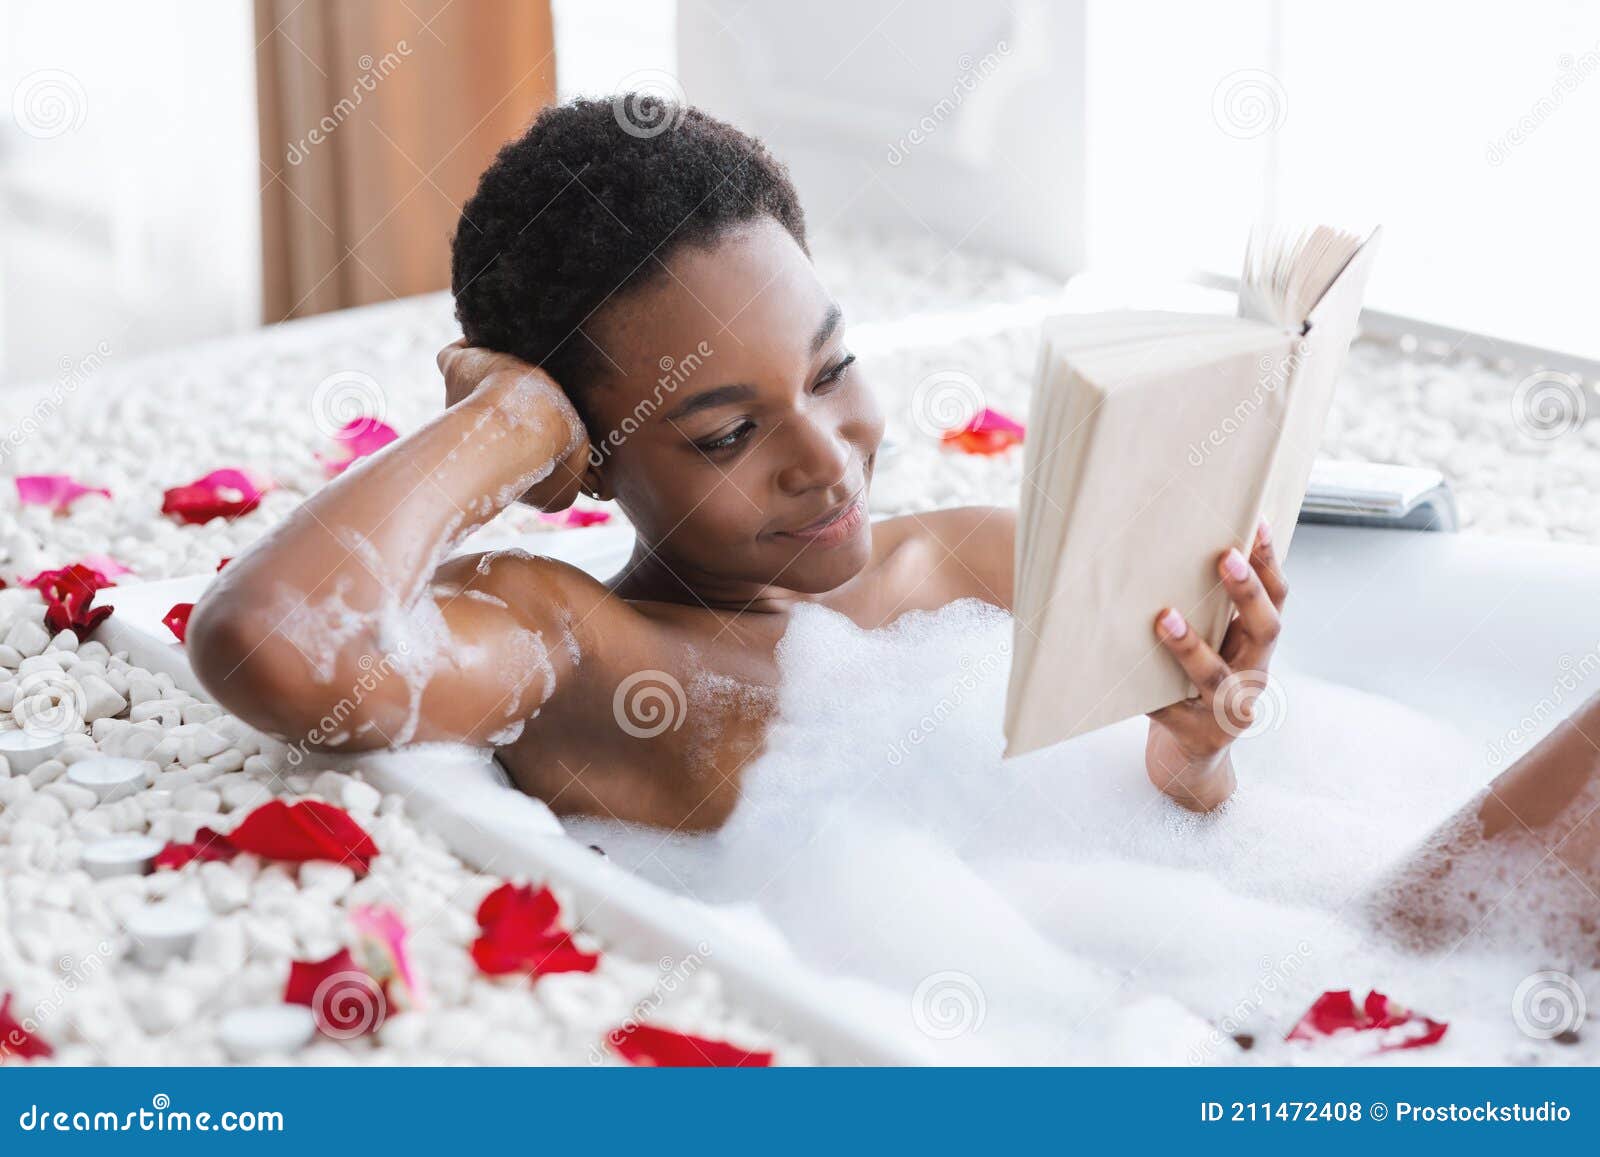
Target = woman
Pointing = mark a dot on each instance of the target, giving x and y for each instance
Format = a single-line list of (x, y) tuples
[(603, 258)]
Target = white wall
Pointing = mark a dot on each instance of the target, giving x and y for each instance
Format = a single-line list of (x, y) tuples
[(129, 197), (946, 117)]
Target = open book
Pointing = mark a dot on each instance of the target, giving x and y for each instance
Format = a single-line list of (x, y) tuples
[(1156, 440)]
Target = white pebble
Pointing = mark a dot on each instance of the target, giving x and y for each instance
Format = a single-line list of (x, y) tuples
[(27, 638), (120, 856), (268, 1030), (25, 750), (76, 798), (360, 798), (47, 772), (64, 641), (164, 931), (111, 778)]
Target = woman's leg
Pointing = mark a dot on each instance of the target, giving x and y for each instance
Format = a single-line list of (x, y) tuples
[(1520, 864)]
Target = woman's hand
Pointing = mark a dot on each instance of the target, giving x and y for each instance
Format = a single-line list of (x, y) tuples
[(1187, 754), (468, 369)]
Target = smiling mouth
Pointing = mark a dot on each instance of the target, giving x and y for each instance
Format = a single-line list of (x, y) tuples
[(835, 526)]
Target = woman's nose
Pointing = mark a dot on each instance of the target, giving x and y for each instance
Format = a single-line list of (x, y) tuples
[(819, 456)]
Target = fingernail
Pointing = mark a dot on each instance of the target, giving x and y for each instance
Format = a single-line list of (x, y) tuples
[(1264, 533), (1234, 566), (1172, 624)]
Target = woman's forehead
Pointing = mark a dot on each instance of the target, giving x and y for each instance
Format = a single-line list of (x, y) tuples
[(749, 295)]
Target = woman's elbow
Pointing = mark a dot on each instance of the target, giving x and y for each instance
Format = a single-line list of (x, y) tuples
[(243, 667)]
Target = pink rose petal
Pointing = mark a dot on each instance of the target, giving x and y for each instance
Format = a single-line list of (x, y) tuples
[(357, 438), (57, 491)]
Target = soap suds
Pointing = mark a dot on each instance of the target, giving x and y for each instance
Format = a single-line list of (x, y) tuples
[(1084, 913)]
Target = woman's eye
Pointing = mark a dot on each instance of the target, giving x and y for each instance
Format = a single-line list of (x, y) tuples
[(729, 440), (837, 372)]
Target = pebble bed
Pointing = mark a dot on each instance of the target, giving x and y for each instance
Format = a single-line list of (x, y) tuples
[(268, 403)]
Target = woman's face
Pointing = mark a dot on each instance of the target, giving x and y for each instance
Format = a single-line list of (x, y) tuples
[(732, 424)]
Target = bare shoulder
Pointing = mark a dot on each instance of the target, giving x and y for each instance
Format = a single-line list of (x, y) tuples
[(969, 548)]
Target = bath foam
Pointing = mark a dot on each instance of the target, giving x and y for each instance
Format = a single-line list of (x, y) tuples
[(1055, 907)]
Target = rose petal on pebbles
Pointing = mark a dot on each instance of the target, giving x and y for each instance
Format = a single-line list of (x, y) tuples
[(990, 432), (207, 846), (357, 438), (576, 517), (57, 491), (343, 997), (177, 620), (307, 830), (644, 1044), (521, 932), (1337, 1012), (226, 493), (17, 1042), (383, 941)]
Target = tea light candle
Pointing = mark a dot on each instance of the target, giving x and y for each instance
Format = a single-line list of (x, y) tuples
[(120, 856), (111, 777), (164, 931), (26, 750), (267, 1030)]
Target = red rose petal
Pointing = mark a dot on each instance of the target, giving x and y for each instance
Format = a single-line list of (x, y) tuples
[(224, 493), (17, 1041), (224, 563), (1336, 1011), (345, 1000), (177, 620), (307, 830), (207, 845), (521, 932), (644, 1044)]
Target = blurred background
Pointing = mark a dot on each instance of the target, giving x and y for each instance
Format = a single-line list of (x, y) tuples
[(173, 173)]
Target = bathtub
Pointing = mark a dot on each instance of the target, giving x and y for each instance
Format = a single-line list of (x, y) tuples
[(1492, 636)]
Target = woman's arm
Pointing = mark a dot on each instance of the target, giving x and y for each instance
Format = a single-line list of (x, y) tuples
[(338, 629)]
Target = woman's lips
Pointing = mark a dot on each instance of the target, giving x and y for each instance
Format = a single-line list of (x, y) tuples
[(837, 527)]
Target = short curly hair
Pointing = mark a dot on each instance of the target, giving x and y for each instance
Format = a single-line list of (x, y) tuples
[(588, 203)]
